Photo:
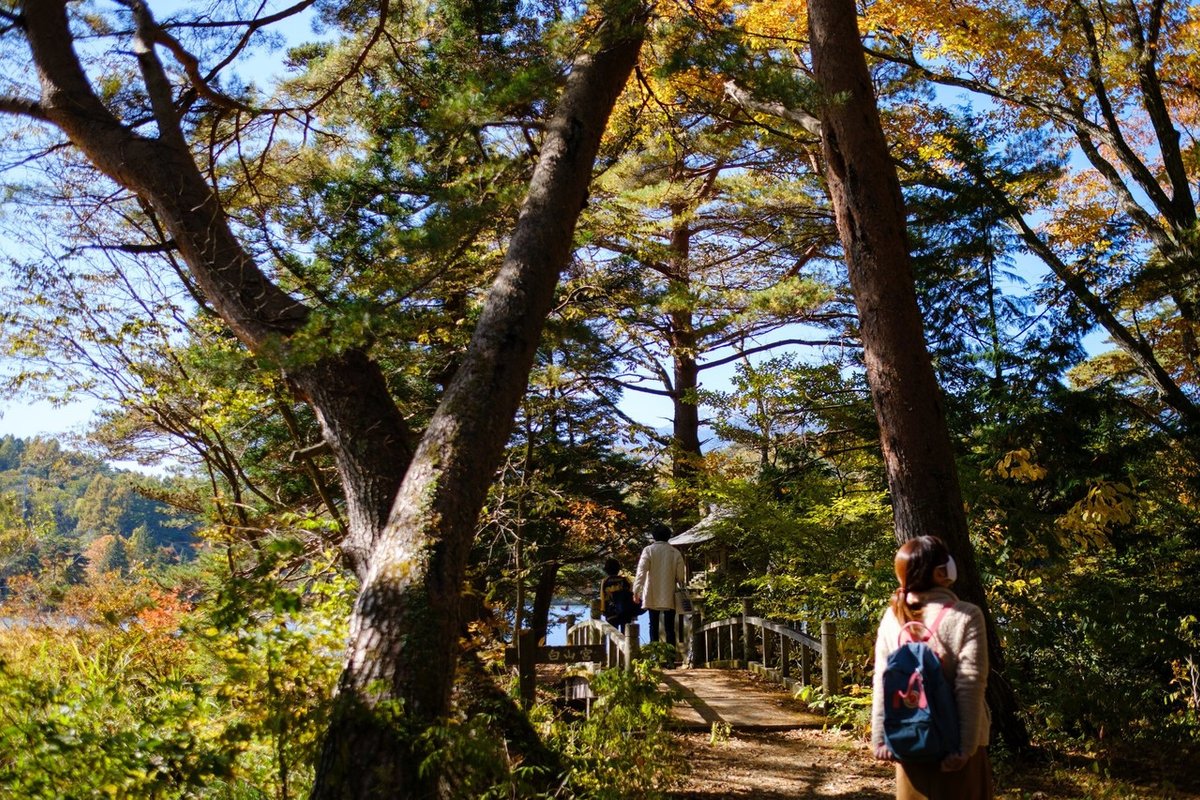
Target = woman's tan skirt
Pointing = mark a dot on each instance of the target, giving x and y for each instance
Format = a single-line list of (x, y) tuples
[(928, 782)]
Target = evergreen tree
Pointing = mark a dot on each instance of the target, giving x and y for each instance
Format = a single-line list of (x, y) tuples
[(113, 557), (140, 548)]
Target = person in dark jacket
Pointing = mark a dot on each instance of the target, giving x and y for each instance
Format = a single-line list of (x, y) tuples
[(616, 596)]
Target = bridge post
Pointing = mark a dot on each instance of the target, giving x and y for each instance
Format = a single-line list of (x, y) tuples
[(806, 659), (785, 657), (747, 635), (526, 658), (570, 622), (632, 648), (830, 680), (699, 649), (593, 635)]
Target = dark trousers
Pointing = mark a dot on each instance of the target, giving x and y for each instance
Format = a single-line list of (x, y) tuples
[(669, 618)]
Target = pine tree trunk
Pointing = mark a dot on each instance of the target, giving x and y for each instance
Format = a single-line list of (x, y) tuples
[(685, 440), (405, 626), (685, 430), (409, 546), (917, 451)]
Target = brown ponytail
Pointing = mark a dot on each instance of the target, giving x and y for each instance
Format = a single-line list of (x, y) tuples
[(915, 562)]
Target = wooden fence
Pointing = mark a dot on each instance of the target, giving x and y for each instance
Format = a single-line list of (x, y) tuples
[(620, 649)]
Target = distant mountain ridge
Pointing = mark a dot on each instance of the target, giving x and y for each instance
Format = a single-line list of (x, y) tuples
[(65, 513)]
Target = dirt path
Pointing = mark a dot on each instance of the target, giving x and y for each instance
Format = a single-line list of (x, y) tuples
[(796, 764), (807, 764), (735, 745), (766, 745)]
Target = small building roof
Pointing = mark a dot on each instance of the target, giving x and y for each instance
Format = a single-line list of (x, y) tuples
[(703, 530)]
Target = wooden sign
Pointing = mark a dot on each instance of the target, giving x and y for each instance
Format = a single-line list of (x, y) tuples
[(562, 654)]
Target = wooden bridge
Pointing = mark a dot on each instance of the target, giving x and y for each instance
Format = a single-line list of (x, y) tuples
[(711, 690)]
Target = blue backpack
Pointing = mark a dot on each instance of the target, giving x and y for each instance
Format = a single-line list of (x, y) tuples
[(619, 605), (920, 717)]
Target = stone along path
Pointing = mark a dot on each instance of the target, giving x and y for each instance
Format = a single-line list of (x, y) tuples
[(772, 749)]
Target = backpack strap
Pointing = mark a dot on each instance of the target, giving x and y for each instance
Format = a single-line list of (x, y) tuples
[(906, 630), (937, 621)]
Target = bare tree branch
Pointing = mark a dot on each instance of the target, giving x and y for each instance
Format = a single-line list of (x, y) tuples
[(191, 65), (720, 362), (743, 98), (131, 249), (23, 107), (252, 27)]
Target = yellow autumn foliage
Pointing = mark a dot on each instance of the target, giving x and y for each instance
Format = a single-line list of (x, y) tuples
[(774, 23), (1106, 505), (1018, 465)]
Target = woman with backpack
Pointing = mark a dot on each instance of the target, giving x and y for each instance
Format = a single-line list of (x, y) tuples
[(925, 609)]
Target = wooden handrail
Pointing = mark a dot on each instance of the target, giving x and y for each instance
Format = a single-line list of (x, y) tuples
[(708, 641), (782, 628), (622, 648)]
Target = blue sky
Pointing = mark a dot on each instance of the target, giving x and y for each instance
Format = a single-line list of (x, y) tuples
[(28, 418)]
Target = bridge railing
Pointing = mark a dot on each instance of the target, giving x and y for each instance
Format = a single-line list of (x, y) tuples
[(778, 649), (620, 649), (784, 653)]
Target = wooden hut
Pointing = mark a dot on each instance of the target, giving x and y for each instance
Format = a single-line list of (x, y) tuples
[(702, 554)]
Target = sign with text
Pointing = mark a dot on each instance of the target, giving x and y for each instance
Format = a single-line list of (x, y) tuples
[(563, 654)]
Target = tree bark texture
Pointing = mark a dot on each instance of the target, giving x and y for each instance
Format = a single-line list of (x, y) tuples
[(685, 432), (917, 451), (405, 624)]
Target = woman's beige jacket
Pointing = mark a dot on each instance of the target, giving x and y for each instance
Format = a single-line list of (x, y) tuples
[(962, 645)]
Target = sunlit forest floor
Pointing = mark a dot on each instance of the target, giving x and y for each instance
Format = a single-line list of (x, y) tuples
[(827, 764), (1121, 773)]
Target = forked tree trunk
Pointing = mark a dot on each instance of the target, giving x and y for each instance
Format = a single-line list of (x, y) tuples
[(346, 390), (918, 455), (409, 548), (404, 629)]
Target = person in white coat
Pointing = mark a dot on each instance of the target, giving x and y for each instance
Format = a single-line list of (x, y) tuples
[(659, 571)]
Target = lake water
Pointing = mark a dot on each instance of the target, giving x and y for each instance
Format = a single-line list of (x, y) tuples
[(556, 634)]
